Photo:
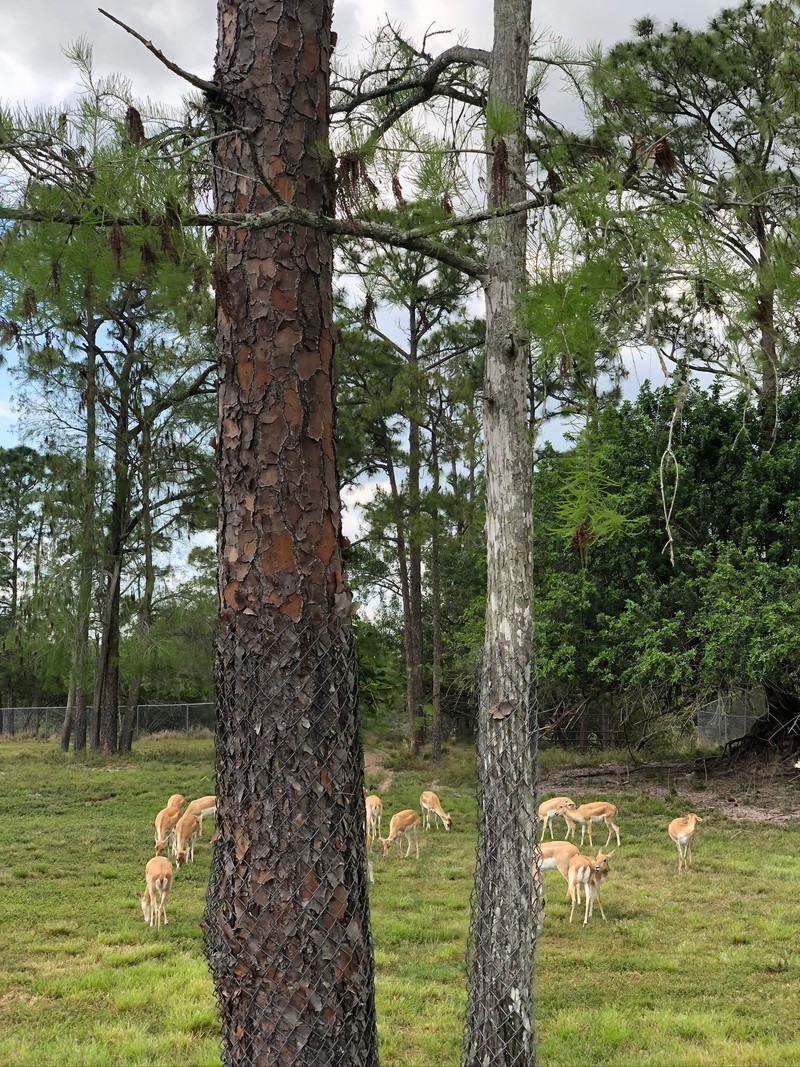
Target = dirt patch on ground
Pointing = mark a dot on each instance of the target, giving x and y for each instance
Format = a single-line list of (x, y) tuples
[(373, 765), (753, 790)]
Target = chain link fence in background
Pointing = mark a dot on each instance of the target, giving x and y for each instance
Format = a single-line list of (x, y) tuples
[(730, 716), (150, 719)]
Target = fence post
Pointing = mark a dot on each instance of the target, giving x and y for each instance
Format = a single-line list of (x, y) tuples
[(187, 720)]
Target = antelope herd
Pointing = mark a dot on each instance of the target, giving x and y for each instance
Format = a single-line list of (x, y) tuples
[(176, 832), (179, 825), (589, 872)]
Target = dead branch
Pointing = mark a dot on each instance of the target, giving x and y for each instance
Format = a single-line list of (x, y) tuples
[(198, 83)]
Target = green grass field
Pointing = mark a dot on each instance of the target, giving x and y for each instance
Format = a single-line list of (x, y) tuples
[(697, 969)]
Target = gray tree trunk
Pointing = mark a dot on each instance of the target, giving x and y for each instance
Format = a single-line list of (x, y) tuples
[(499, 1028)]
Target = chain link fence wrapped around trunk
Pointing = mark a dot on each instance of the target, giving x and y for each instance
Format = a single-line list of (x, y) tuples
[(499, 1025), (287, 918)]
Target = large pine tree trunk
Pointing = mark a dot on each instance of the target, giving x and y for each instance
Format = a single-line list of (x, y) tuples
[(288, 920), (500, 1008)]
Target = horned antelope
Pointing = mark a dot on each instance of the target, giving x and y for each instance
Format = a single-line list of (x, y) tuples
[(187, 830), (586, 814), (681, 831), (548, 809), (177, 800), (158, 882), (374, 816), (165, 828), (429, 803), (589, 873), (404, 822), (200, 807)]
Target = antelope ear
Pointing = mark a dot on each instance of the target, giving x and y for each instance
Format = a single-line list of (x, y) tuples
[(610, 854)]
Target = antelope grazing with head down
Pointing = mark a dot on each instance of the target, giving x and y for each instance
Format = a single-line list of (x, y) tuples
[(187, 830), (547, 811), (177, 800), (404, 822), (158, 882), (586, 814), (429, 804), (166, 820), (682, 831), (589, 873)]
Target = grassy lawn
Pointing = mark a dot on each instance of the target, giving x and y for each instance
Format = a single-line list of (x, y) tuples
[(697, 969)]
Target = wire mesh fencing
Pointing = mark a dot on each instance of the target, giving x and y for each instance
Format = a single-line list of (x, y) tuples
[(504, 912), (287, 918)]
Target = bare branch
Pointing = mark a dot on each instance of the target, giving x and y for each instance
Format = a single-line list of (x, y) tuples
[(198, 83)]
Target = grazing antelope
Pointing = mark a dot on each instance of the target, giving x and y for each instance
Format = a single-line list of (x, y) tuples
[(187, 830), (548, 809), (404, 822), (165, 828), (586, 814), (374, 816), (200, 807), (589, 873), (177, 800), (158, 882), (682, 831), (429, 803)]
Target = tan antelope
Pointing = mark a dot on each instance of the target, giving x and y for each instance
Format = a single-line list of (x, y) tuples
[(553, 856), (374, 817), (404, 822), (547, 810), (187, 830), (200, 807), (177, 800), (165, 828), (681, 831), (429, 803), (589, 873), (158, 882), (556, 856), (586, 814)]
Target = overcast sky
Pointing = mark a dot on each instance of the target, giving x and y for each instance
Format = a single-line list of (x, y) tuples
[(34, 70)]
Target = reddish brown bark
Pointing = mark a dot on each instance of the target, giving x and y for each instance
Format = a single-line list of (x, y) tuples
[(288, 918)]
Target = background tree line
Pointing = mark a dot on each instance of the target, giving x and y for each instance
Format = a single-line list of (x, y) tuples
[(674, 229)]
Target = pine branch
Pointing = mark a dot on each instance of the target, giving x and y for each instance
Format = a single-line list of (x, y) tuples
[(420, 239)]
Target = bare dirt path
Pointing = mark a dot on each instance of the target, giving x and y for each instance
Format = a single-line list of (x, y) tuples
[(753, 790)]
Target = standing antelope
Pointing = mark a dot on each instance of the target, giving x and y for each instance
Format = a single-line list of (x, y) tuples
[(158, 882), (165, 828), (177, 800), (187, 830), (429, 803), (586, 814), (589, 873), (553, 856), (404, 822), (682, 831), (200, 807), (548, 809), (374, 816), (556, 856)]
